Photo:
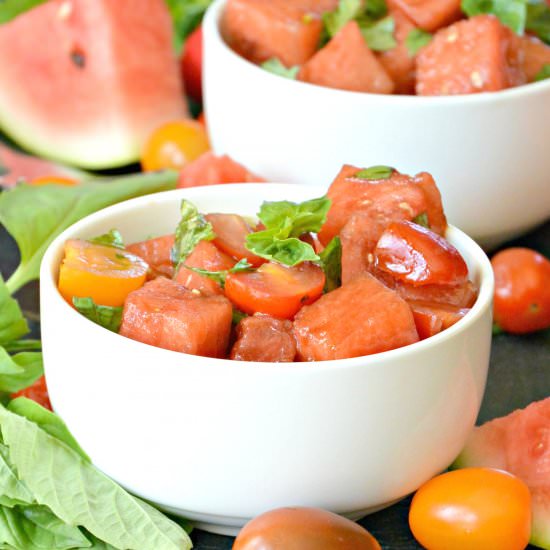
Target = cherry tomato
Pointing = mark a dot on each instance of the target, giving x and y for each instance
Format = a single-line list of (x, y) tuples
[(416, 255), (37, 392), (474, 508), (432, 317), (191, 64), (522, 290), (231, 231), (58, 180), (275, 289), (103, 273), (174, 145), (303, 529)]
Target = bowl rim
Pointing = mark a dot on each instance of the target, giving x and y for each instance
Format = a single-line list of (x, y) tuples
[(48, 287), (212, 32)]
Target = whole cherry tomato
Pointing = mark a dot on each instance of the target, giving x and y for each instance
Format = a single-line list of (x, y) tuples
[(37, 392), (303, 529), (174, 144), (474, 509), (522, 290), (191, 64)]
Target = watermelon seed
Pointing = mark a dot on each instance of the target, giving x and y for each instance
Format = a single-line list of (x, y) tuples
[(78, 58)]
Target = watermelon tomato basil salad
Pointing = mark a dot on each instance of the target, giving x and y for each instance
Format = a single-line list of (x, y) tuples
[(427, 47), (368, 259)]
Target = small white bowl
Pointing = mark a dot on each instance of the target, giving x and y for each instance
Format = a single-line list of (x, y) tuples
[(488, 152), (221, 441)]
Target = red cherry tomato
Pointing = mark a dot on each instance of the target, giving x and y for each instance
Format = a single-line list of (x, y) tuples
[(231, 231), (37, 392), (191, 64), (303, 529), (418, 256), (522, 290), (474, 508), (275, 289)]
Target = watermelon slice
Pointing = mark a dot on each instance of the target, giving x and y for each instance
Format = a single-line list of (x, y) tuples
[(520, 444), (86, 82)]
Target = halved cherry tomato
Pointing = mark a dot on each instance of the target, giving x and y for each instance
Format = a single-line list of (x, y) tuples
[(37, 392), (303, 529), (103, 273), (432, 317), (58, 180), (275, 289), (191, 64), (474, 508), (231, 231), (522, 290), (174, 145), (416, 255)]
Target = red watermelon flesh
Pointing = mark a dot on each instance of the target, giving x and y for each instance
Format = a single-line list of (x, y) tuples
[(85, 82), (520, 444)]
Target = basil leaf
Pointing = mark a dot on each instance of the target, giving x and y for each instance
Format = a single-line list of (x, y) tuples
[(375, 8), (19, 371), (220, 276), (416, 40), (422, 219), (79, 494), (544, 73), (108, 317), (12, 323), (238, 316), (291, 251), (10, 9), (12, 489), (512, 13), (379, 35), (192, 229), (34, 216), (186, 16), (376, 173), (331, 262), (113, 239), (346, 11), (47, 420), (538, 19), (23, 345), (275, 66)]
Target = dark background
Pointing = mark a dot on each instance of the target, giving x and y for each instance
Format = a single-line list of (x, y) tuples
[(519, 374)]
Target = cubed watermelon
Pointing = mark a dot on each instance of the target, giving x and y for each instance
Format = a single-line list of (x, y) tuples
[(431, 317), (476, 55), (347, 63), (536, 55), (156, 252), (429, 15)]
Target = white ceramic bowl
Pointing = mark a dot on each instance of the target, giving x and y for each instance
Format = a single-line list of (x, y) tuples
[(221, 441), (487, 152)]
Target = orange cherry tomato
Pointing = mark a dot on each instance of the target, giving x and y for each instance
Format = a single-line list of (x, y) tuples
[(58, 180), (474, 508), (103, 273), (37, 392), (275, 289), (191, 64), (418, 256), (231, 231), (303, 529), (522, 290), (174, 145)]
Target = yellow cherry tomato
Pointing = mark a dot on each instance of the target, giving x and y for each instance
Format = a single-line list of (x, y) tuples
[(58, 180), (174, 145), (103, 273), (472, 509)]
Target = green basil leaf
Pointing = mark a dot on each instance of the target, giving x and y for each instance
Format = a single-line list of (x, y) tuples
[(346, 11), (108, 317), (237, 317), (512, 13), (97, 544), (291, 251), (34, 216), (23, 345), (379, 35), (220, 276), (544, 73), (422, 219), (331, 262), (10, 9), (19, 371), (538, 19), (192, 229), (12, 489), (79, 494), (375, 9), (416, 40), (12, 323), (186, 16), (275, 66), (376, 173), (47, 420), (113, 239)]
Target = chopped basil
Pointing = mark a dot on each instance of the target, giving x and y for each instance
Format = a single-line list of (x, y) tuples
[(275, 66), (238, 316), (220, 276), (379, 35), (375, 173), (544, 73), (512, 13), (538, 19), (345, 11), (422, 219), (375, 8), (331, 262), (416, 40), (113, 238), (106, 316)]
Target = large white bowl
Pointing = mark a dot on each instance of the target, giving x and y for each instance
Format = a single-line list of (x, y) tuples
[(221, 441), (487, 152)]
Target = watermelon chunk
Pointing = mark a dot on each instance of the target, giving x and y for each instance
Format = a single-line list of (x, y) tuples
[(86, 82), (520, 444), (261, 29), (347, 63), (537, 54), (429, 15), (156, 253), (476, 55)]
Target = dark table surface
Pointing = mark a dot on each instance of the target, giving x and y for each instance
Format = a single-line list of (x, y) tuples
[(519, 374)]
